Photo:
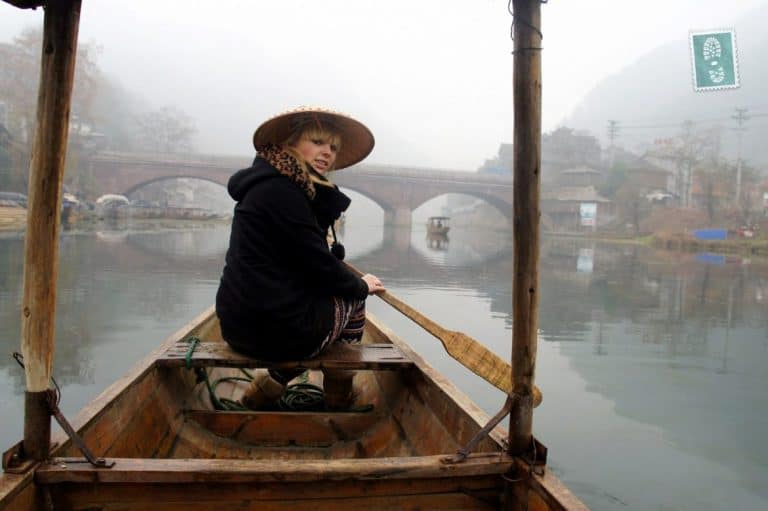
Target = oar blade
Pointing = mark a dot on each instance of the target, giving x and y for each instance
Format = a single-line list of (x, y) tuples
[(483, 362)]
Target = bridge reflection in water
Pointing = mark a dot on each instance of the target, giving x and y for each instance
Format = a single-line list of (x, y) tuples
[(392, 251)]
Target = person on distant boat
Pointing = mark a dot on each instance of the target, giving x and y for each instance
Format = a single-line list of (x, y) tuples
[(283, 295)]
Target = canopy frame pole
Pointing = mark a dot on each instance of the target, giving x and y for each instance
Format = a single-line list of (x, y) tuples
[(41, 246), (527, 179)]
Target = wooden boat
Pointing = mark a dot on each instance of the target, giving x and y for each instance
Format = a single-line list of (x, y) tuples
[(438, 225), (153, 441), (172, 450)]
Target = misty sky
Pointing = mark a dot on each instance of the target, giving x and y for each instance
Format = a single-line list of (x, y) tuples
[(432, 79)]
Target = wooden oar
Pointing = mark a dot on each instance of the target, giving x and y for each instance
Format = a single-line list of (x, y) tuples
[(466, 350)]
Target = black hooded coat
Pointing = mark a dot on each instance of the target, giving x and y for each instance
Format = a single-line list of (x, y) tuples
[(275, 296)]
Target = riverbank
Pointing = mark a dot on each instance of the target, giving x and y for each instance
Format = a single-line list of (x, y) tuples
[(13, 219), (742, 246), (677, 242)]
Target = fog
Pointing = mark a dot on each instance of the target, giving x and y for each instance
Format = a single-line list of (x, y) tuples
[(432, 79)]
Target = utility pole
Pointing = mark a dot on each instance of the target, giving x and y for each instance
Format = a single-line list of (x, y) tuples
[(688, 160), (741, 117), (613, 132)]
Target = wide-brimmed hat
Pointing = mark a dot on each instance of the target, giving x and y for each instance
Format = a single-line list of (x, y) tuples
[(356, 139)]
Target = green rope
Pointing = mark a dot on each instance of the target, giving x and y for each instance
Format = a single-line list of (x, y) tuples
[(302, 396), (299, 396), (193, 341)]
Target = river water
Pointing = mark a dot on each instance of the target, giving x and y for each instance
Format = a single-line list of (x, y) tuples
[(653, 365)]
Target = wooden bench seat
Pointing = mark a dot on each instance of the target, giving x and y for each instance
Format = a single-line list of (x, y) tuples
[(335, 356)]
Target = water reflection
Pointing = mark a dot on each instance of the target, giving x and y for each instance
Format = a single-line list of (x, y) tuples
[(437, 241), (645, 356)]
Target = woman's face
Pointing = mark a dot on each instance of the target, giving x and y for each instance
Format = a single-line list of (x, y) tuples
[(319, 152)]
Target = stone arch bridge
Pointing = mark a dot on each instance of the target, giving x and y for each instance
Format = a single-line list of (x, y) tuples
[(397, 190)]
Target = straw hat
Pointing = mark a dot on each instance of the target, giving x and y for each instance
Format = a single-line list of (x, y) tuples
[(356, 139)]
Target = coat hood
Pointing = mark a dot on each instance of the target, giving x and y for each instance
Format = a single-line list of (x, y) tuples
[(243, 180)]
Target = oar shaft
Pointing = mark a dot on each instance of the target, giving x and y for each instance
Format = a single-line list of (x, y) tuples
[(469, 352), (423, 321)]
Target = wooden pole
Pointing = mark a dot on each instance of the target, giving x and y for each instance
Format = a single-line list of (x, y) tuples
[(41, 247), (527, 176)]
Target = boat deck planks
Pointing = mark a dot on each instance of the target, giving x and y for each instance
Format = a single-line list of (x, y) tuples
[(335, 356), (285, 428)]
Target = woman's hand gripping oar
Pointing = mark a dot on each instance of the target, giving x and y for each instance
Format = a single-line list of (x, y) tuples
[(466, 350)]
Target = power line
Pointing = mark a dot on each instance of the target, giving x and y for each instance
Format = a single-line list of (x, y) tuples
[(692, 121)]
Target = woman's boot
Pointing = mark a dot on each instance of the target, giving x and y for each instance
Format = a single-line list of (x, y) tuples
[(264, 391), (338, 389)]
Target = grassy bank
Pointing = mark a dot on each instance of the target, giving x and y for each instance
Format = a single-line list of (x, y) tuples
[(743, 246), (679, 242)]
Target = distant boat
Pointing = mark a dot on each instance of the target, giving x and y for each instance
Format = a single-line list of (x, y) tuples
[(438, 225)]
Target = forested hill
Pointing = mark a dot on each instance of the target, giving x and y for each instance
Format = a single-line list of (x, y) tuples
[(652, 97)]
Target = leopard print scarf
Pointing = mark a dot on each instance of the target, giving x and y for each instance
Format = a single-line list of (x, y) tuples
[(290, 167)]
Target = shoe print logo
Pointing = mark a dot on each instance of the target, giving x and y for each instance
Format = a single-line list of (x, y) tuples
[(712, 52)]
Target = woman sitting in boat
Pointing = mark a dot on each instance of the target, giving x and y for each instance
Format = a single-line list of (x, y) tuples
[(283, 295)]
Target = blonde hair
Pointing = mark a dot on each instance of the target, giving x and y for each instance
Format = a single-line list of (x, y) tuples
[(312, 131)]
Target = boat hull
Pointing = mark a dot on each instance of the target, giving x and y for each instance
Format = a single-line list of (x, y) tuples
[(173, 451), (438, 231)]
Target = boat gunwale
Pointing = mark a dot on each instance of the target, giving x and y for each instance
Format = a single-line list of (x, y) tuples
[(12, 484), (99, 405), (223, 470)]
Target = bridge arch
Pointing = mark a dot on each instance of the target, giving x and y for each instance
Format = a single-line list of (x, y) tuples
[(501, 205), (368, 195), (160, 179), (398, 190)]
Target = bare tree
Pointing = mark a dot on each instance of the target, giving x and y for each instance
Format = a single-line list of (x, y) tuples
[(715, 187), (167, 130), (20, 75), (19, 78)]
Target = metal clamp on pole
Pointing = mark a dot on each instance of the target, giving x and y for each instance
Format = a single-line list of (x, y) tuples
[(53, 403), (465, 451), (536, 457), (15, 455)]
